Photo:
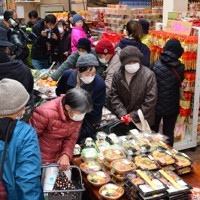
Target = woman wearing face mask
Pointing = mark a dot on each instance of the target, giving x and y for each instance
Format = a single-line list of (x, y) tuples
[(58, 123), (133, 87), (65, 42), (21, 174), (85, 77), (84, 47)]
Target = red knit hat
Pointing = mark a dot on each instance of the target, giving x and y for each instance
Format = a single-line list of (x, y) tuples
[(104, 46)]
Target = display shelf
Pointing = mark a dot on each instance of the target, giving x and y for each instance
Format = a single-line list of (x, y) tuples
[(190, 140)]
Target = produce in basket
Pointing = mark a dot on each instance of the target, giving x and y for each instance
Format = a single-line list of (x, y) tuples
[(123, 166), (98, 178), (113, 154), (111, 191), (91, 166)]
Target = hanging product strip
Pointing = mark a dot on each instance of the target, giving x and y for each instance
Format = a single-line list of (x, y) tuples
[(158, 40)]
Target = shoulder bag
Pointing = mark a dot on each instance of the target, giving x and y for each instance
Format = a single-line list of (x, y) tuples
[(182, 96)]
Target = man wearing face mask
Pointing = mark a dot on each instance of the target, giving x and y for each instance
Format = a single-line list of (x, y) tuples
[(133, 87), (110, 57), (58, 123), (85, 77), (84, 47)]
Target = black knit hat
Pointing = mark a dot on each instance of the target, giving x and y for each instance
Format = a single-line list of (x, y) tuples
[(145, 25), (130, 54), (175, 47), (84, 43)]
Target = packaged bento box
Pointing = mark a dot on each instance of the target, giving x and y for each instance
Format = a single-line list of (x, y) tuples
[(162, 157), (146, 162), (175, 185), (145, 183)]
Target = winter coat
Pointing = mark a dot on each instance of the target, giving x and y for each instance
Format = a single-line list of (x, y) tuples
[(39, 49), (97, 89), (113, 66), (168, 83), (71, 63), (57, 133), (64, 46), (17, 70), (77, 33), (142, 47), (140, 94), (22, 170)]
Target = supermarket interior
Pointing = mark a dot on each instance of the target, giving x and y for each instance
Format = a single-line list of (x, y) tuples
[(139, 61)]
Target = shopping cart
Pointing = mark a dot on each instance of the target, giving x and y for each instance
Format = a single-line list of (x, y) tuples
[(76, 178)]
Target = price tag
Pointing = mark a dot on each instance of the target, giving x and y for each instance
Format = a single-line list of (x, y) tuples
[(102, 174), (126, 162)]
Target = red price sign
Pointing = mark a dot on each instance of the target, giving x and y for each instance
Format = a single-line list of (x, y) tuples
[(179, 27)]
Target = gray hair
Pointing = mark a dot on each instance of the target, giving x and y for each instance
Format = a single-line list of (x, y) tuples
[(78, 99)]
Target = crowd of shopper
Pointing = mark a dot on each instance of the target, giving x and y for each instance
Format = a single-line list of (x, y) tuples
[(89, 77)]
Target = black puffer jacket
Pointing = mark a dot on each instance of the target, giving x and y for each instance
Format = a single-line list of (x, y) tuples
[(168, 83)]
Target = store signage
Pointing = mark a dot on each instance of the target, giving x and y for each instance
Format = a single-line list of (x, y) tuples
[(179, 27), (174, 15)]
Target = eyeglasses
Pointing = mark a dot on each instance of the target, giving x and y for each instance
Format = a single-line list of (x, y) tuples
[(84, 69)]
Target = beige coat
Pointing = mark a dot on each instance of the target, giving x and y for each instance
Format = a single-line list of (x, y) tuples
[(113, 66)]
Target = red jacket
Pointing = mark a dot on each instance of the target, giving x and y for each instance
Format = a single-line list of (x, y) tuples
[(57, 133)]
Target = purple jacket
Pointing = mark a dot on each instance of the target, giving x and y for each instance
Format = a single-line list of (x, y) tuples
[(77, 33)]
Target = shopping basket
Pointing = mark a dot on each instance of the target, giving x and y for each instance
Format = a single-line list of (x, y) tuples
[(76, 178)]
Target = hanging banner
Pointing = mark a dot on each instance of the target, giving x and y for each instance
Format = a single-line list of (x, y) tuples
[(179, 27), (101, 3)]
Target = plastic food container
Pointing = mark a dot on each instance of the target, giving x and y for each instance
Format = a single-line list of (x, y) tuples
[(111, 191), (146, 163), (175, 185), (120, 177), (91, 166), (163, 158), (113, 154), (98, 178), (122, 166), (145, 183)]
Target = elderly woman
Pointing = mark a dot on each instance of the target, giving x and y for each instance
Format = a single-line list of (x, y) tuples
[(85, 77), (58, 123), (133, 87), (21, 174)]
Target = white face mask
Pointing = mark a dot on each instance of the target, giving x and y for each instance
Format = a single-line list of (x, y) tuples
[(87, 80), (82, 53), (132, 68), (103, 60), (78, 117), (61, 29)]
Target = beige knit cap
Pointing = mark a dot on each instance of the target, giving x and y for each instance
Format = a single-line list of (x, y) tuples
[(13, 96)]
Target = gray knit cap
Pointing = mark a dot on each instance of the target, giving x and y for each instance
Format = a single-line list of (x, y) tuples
[(130, 54), (87, 60), (13, 96)]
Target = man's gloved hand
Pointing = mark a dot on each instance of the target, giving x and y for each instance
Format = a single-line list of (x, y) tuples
[(126, 119)]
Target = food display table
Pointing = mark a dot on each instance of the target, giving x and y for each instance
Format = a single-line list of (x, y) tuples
[(192, 178)]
